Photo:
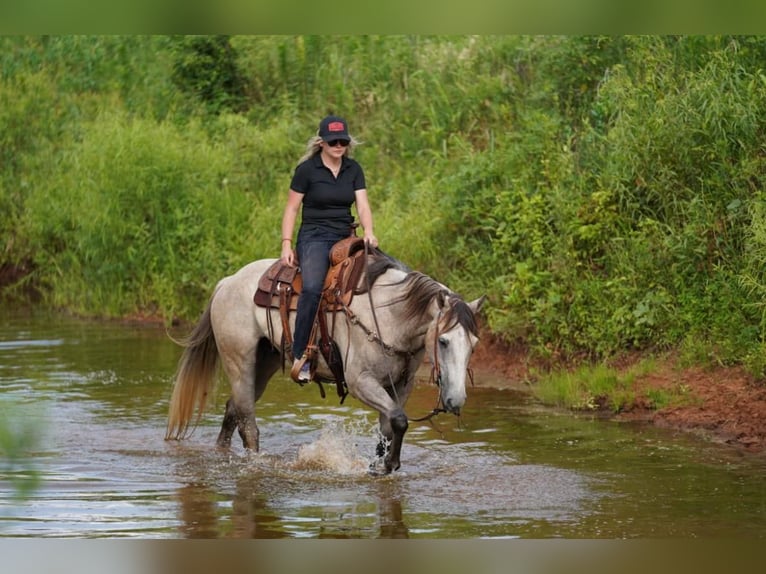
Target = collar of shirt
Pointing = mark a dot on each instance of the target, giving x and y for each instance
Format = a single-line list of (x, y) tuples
[(318, 163)]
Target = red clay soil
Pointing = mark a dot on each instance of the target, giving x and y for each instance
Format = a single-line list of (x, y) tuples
[(724, 404)]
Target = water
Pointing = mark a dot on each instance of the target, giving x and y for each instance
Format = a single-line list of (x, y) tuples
[(92, 397)]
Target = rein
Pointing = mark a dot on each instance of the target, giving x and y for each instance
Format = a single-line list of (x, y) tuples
[(372, 336), (436, 376)]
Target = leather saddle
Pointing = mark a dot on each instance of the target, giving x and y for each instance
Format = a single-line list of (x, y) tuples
[(280, 284)]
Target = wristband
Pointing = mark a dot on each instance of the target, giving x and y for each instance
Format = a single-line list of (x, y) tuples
[(287, 239)]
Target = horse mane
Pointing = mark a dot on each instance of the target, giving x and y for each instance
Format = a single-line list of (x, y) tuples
[(379, 262), (461, 313), (420, 292)]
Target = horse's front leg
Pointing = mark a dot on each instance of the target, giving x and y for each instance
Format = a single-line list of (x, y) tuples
[(392, 430), (393, 420), (398, 423), (399, 393)]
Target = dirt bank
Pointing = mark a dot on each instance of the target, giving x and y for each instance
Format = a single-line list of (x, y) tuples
[(724, 403)]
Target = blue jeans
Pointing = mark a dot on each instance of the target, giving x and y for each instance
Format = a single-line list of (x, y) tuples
[(314, 259)]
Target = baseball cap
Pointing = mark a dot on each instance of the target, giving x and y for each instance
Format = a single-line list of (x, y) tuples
[(333, 128)]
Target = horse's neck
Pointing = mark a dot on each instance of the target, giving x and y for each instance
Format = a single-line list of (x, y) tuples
[(389, 300)]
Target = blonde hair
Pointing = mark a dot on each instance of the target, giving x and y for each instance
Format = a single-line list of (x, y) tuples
[(314, 146)]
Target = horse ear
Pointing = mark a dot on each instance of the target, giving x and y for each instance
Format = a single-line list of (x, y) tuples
[(476, 304)]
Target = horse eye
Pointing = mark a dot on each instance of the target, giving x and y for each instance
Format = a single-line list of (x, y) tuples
[(443, 342)]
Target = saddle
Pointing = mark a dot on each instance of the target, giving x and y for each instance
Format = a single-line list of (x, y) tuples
[(280, 286), (281, 283)]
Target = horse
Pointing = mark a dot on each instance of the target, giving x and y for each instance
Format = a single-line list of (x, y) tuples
[(383, 337)]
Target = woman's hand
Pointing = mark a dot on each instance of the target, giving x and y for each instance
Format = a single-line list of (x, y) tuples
[(288, 255), (365, 217), (370, 239)]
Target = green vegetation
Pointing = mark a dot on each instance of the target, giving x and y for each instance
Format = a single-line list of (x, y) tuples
[(600, 387), (605, 192)]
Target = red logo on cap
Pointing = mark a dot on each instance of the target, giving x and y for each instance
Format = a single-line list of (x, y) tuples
[(335, 127)]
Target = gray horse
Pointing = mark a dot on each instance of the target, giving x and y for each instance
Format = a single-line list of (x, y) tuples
[(383, 337)]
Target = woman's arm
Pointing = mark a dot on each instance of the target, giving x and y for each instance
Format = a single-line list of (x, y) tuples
[(294, 200), (365, 216)]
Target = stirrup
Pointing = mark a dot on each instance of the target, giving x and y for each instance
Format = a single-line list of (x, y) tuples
[(298, 366)]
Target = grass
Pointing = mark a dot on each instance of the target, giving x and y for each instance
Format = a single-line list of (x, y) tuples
[(602, 387)]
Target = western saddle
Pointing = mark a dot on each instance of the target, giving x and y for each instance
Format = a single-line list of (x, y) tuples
[(279, 288)]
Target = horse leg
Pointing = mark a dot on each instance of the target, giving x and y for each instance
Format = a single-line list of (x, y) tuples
[(267, 362), (240, 369), (399, 424), (250, 383), (393, 421), (393, 426), (228, 426), (399, 393)]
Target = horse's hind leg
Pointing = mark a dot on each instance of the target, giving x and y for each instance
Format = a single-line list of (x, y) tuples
[(239, 366), (267, 361), (228, 426), (249, 381)]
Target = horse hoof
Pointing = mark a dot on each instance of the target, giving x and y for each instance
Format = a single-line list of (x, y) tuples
[(378, 468)]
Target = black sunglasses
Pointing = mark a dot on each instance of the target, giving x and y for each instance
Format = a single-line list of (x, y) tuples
[(336, 143)]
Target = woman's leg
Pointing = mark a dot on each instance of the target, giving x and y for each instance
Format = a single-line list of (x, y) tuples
[(314, 259)]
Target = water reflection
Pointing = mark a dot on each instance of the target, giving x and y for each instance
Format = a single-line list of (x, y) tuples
[(390, 514), (204, 514)]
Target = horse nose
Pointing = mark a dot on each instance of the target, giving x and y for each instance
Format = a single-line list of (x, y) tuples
[(451, 407)]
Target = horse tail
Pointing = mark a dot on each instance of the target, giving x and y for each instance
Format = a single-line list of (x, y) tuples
[(194, 379)]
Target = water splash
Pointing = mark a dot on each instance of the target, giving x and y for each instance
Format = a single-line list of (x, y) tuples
[(337, 451)]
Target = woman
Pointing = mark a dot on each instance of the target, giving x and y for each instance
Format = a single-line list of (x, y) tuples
[(327, 182)]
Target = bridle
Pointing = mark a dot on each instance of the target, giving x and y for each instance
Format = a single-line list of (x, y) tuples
[(436, 375)]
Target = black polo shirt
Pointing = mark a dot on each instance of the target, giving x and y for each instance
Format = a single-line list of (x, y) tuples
[(327, 200)]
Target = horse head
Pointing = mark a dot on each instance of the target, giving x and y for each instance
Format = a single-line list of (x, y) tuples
[(450, 340)]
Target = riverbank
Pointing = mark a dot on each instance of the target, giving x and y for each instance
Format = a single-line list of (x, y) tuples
[(723, 404)]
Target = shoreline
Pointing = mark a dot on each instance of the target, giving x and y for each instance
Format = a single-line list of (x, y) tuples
[(725, 404)]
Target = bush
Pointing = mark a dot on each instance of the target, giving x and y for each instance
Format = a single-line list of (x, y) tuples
[(138, 216), (606, 193)]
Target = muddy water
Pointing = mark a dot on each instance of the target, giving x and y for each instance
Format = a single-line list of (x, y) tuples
[(93, 398)]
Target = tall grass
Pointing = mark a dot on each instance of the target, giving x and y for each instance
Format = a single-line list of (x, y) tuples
[(138, 217)]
